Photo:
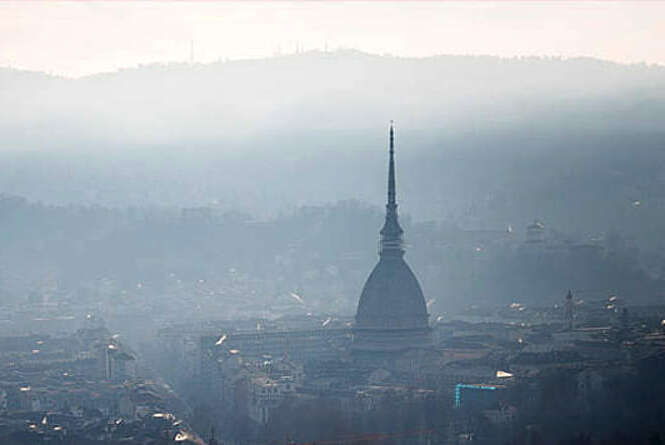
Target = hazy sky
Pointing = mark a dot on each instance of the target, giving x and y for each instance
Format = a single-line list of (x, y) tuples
[(78, 38)]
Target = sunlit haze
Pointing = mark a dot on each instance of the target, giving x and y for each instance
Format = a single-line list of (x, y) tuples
[(81, 38)]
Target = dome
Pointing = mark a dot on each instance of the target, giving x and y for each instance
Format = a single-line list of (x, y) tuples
[(392, 314), (392, 298)]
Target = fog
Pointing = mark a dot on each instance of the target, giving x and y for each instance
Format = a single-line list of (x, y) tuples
[(175, 203), (483, 144)]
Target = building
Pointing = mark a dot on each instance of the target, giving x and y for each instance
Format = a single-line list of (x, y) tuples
[(392, 313), (535, 233), (477, 396)]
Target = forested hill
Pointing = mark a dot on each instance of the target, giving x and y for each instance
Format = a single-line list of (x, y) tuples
[(216, 104), (483, 142)]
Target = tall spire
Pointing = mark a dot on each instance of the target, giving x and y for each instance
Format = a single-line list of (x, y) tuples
[(391, 167), (391, 233)]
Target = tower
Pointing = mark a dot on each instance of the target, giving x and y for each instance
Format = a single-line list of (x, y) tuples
[(568, 315), (392, 314)]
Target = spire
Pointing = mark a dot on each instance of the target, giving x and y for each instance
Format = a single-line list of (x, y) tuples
[(391, 167), (391, 233), (568, 310)]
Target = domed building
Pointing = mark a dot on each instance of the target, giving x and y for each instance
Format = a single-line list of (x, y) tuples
[(392, 314)]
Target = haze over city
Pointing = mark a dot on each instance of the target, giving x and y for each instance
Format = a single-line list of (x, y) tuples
[(402, 223)]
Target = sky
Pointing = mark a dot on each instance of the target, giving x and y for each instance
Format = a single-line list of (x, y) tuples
[(79, 38)]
